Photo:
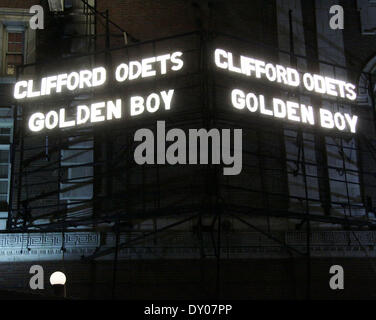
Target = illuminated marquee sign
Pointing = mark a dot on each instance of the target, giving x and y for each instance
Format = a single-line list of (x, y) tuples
[(100, 111), (287, 76)]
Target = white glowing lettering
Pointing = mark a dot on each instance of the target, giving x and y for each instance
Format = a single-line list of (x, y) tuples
[(17, 90), (152, 103), (36, 122), (96, 112), (293, 111), (177, 61), (259, 69), (59, 83)]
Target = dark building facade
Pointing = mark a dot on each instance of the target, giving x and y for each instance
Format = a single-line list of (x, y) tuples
[(75, 199)]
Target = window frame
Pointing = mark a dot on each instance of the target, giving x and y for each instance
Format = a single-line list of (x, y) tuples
[(7, 147), (12, 29), (11, 53)]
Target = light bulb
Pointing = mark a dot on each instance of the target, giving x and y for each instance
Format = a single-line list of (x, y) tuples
[(58, 278)]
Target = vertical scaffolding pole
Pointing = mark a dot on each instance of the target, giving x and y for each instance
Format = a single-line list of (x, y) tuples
[(300, 134), (373, 98), (12, 162), (20, 167)]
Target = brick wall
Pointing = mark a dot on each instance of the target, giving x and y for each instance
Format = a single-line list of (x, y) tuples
[(18, 3), (151, 19), (147, 19)]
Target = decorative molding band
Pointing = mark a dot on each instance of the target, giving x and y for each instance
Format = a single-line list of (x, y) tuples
[(185, 245), (47, 246)]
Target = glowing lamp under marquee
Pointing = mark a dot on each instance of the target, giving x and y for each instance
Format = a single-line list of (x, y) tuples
[(58, 278)]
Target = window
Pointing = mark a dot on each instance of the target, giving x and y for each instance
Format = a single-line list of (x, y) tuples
[(56, 5), (6, 133), (17, 41), (367, 16), (4, 175), (14, 55)]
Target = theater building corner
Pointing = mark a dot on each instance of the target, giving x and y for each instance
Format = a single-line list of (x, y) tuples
[(74, 197)]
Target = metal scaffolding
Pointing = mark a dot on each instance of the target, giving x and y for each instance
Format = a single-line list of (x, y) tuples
[(125, 194)]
